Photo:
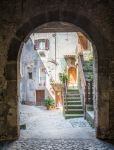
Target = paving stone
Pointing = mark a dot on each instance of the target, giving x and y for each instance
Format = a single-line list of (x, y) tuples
[(48, 130), (58, 144)]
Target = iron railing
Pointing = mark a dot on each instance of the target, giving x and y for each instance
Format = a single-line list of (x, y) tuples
[(65, 88), (86, 85)]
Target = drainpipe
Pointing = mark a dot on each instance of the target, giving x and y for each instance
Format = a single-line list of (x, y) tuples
[(54, 35)]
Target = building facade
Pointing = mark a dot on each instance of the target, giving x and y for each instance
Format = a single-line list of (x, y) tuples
[(43, 58)]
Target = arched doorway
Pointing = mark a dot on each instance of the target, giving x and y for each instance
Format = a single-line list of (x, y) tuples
[(102, 125), (72, 75)]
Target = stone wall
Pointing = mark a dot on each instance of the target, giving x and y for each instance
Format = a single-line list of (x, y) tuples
[(19, 18)]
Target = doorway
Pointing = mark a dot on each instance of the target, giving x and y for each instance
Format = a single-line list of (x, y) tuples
[(40, 96), (72, 75)]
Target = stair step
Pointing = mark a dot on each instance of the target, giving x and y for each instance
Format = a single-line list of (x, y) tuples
[(73, 95), (68, 116), (74, 111), (73, 106), (73, 102), (73, 88), (73, 91), (72, 99)]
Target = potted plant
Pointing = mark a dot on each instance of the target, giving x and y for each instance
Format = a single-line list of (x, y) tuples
[(49, 103), (63, 77)]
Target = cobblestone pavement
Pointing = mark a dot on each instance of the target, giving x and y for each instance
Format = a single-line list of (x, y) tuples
[(42, 123), (48, 130), (58, 144)]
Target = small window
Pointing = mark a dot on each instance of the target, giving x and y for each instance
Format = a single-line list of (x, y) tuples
[(41, 44), (30, 75), (42, 54)]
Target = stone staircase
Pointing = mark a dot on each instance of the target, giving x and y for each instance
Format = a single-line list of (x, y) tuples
[(88, 65), (88, 69), (72, 104)]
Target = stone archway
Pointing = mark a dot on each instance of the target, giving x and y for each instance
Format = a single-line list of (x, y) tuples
[(87, 27)]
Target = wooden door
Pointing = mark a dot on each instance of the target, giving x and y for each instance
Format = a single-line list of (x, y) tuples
[(72, 75), (40, 96)]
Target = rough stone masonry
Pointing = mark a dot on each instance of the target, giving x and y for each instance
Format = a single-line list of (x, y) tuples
[(94, 18)]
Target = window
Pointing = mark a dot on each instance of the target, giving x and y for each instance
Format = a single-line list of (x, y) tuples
[(41, 44), (42, 54), (30, 75)]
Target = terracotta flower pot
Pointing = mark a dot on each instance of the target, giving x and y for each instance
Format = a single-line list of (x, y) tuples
[(50, 107)]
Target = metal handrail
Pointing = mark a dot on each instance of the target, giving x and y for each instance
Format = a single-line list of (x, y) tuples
[(84, 83), (65, 94), (80, 64), (65, 88)]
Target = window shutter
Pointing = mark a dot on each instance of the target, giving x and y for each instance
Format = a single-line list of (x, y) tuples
[(46, 44), (36, 44)]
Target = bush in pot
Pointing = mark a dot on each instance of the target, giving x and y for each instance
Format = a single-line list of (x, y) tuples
[(49, 103)]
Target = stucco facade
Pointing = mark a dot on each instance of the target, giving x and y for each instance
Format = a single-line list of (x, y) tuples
[(40, 67)]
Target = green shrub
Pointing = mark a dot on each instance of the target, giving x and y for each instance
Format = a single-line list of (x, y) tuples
[(63, 77), (49, 102)]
